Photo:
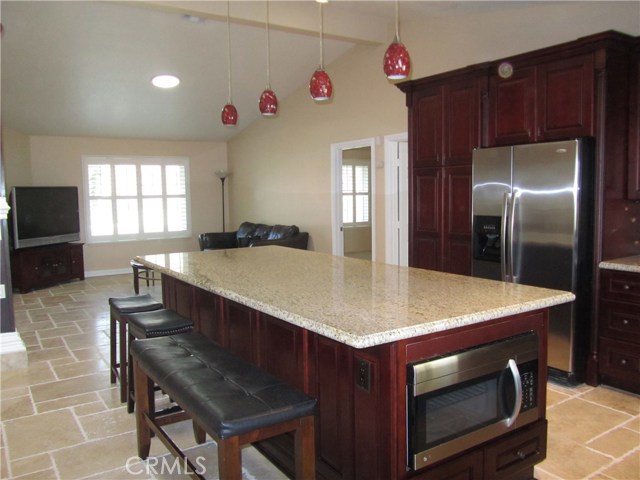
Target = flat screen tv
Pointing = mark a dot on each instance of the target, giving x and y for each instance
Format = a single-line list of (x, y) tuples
[(44, 216)]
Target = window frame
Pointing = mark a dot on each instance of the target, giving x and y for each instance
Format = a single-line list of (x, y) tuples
[(138, 161)]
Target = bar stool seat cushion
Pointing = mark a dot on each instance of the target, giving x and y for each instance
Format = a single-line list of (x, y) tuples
[(134, 304), (158, 323)]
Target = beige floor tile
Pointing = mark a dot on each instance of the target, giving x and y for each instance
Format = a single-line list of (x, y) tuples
[(69, 387), (616, 443), (92, 353), (48, 354), (111, 396), (107, 423), (634, 424), (77, 369), (33, 435), (65, 402), (42, 475), (6, 393), (95, 456), (29, 465), (16, 407), (84, 340), (4, 464), (580, 421), (570, 460), (34, 374), (69, 316), (89, 408), (554, 397), (626, 469), (52, 342), (58, 331), (615, 399)]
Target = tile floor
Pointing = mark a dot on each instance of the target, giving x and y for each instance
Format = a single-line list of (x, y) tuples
[(62, 419)]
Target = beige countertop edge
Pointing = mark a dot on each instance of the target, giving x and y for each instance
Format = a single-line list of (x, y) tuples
[(626, 264), (378, 338)]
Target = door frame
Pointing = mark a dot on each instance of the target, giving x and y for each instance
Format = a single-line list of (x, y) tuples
[(396, 173), (336, 193)]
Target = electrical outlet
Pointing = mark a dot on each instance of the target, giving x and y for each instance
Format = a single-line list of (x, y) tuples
[(363, 375)]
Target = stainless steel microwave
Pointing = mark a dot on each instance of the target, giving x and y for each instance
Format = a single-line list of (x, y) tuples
[(463, 399)]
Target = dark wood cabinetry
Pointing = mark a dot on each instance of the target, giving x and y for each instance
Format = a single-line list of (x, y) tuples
[(542, 102), (445, 117), (44, 266), (619, 340)]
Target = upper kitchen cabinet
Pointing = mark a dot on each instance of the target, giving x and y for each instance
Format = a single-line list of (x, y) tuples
[(445, 118), (634, 126), (536, 102)]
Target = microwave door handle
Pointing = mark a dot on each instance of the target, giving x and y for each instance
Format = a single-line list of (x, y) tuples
[(503, 237), (517, 382)]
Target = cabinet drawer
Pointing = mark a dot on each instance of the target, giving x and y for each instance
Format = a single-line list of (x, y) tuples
[(619, 364), (620, 320), (621, 286), (518, 451)]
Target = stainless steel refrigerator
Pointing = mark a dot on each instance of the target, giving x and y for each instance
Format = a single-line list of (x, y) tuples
[(532, 212)]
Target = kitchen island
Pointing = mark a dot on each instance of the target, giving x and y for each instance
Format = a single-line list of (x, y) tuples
[(344, 331)]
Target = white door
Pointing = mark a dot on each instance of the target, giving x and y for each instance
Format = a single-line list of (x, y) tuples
[(397, 199)]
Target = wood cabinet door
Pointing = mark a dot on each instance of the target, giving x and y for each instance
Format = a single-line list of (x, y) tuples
[(457, 220), (512, 107), (426, 214), (427, 128), (565, 92), (240, 331), (461, 126), (634, 128)]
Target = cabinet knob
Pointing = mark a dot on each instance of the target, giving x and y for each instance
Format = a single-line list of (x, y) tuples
[(625, 321), (623, 361), (626, 287), (521, 455)]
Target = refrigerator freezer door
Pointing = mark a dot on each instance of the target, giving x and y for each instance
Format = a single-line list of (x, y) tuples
[(545, 189), (491, 179)]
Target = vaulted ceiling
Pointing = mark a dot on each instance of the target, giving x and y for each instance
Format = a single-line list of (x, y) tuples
[(83, 68)]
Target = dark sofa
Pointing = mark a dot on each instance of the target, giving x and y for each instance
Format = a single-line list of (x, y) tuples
[(254, 235)]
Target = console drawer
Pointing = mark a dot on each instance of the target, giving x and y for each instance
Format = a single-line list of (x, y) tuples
[(619, 364), (621, 286)]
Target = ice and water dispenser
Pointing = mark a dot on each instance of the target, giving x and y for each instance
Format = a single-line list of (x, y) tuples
[(486, 246)]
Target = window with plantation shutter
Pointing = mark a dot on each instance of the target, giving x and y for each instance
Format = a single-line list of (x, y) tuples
[(136, 198), (355, 194)]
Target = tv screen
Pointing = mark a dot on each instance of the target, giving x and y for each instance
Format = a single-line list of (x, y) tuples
[(44, 215)]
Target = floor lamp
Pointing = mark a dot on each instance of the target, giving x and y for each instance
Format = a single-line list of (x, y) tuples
[(222, 175)]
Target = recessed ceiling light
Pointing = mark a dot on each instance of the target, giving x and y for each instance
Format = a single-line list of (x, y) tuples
[(165, 81)]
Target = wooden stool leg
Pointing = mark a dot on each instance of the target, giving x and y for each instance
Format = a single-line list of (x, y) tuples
[(123, 359), (199, 433), (130, 383), (136, 282), (145, 407), (229, 459), (112, 347), (305, 450)]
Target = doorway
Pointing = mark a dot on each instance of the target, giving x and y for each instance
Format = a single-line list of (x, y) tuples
[(353, 191)]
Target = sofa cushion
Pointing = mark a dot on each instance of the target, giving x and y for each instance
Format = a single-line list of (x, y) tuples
[(262, 231), (246, 230), (278, 232)]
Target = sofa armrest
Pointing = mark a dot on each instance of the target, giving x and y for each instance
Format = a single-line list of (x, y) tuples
[(217, 240), (299, 240)]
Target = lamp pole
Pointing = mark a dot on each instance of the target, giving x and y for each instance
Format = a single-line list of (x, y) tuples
[(222, 175)]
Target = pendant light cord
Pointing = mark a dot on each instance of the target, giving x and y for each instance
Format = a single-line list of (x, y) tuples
[(268, 51), (397, 21), (229, 51), (321, 39)]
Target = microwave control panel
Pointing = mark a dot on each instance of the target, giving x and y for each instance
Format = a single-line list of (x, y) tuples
[(529, 386)]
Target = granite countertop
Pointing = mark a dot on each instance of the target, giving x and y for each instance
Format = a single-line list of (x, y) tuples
[(626, 264), (356, 302)]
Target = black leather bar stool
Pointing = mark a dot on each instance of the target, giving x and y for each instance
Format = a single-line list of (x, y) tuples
[(120, 307), (157, 323)]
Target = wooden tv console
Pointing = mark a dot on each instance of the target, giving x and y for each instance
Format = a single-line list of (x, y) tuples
[(39, 267)]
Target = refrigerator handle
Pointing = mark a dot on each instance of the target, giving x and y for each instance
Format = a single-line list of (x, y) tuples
[(503, 237), (512, 221)]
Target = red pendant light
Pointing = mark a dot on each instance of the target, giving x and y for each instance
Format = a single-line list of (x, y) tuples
[(397, 63), (229, 114), (320, 86), (268, 103)]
